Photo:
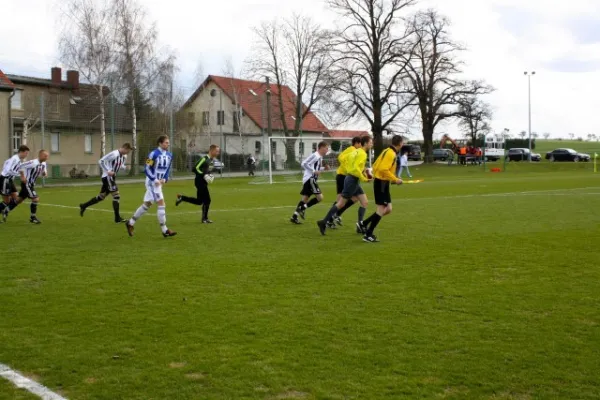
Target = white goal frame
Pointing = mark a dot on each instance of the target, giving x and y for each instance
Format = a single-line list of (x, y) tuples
[(299, 139)]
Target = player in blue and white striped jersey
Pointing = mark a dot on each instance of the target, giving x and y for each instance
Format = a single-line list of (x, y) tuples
[(110, 164), (158, 167), (10, 170), (312, 166), (30, 170)]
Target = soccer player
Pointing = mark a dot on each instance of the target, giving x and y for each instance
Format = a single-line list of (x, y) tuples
[(341, 176), (110, 164), (203, 171), (11, 169), (158, 166), (355, 166), (31, 170), (312, 166), (383, 172)]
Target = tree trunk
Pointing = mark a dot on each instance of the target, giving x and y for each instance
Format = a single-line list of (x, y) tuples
[(428, 142), (102, 124), (134, 156)]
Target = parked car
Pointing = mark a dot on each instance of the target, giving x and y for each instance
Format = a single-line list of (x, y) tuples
[(218, 166), (414, 151), (522, 154), (567, 155), (442, 154)]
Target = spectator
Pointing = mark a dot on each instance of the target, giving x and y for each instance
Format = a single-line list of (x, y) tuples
[(251, 165), (403, 163)]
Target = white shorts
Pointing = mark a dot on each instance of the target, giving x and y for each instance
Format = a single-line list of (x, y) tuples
[(153, 193)]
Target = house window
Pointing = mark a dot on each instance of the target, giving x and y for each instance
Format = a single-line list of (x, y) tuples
[(205, 118), (301, 148), (191, 118), (273, 147), (88, 143), (236, 122), (220, 117), (17, 100), (55, 104), (314, 146), (257, 146), (16, 141), (55, 142)]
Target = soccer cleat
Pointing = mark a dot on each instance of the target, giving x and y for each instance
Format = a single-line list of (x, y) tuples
[(120, 220), (4, 216), (338, 220), (360, 228), (129, 228), (301, 212), (322, 227), (169, 233), (179, 200), (370, 239), (331, 225), (295, 221), (34, 220), (207, 221), (81, 209)]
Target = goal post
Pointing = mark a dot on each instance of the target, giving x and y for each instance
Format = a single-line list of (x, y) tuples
[(286, 155)]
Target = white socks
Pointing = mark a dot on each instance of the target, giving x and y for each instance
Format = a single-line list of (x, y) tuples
[(138, 214), (162, 218)]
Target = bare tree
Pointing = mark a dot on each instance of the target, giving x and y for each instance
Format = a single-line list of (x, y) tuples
[(572, 136), (474, 117), (535, 135), (138, 57), (546, 135), (370, 60), (523, 134), (86, 44), (435, 73)]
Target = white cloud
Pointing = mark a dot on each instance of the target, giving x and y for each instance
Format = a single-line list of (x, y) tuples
[(504, 37)]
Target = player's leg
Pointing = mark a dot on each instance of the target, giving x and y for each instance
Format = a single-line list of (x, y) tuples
[(12, 201), (199, 183), (350, 185), (104, 191), (161, 213), (205, 196), (300, 209), (33, 207), (116, 196), (143, 209), (374, 221)]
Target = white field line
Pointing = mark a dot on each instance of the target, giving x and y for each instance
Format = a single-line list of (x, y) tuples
[(25, 383), (554, 192)]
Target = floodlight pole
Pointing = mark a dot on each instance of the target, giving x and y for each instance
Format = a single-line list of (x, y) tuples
[(529, 75)]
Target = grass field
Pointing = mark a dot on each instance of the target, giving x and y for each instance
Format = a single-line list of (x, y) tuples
[(485, 286)]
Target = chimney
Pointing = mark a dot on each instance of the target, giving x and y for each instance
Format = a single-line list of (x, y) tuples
[(56, 74), (73, 79)]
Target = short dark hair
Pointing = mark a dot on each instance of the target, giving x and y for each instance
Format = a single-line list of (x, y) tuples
[(42, 151), (397, 140), (212, 147), (127, 146), (356, 140), (365, 139), (161, 139), (23, 148), (323, 144)]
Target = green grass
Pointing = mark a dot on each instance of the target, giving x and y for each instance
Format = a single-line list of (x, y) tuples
[(484, 286)]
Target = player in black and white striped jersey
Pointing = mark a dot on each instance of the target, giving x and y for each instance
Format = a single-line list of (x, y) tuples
[(31, 170), (111, 164), (10, 170), (312, 166)]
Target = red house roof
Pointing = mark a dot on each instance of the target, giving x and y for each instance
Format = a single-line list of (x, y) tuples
[(252, 97), (5, 82), (347, 133)]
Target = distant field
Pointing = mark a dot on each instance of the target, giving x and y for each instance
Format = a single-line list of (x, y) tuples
[(543, 146)]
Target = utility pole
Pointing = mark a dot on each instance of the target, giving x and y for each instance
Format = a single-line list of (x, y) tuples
[(529, 75), (171, 115)]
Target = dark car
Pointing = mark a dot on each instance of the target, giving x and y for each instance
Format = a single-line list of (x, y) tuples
[(522, 154), (442, 154), (414, 152), (567, 155)]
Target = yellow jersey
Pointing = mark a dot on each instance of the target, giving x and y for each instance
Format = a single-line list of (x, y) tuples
[(384, 167), (342, 159), (355, 164)]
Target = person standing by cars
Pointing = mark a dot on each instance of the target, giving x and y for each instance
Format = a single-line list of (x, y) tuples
[(403, 163), (251, 165)]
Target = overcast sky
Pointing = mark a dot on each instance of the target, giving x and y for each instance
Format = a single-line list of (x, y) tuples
[(558, 39)]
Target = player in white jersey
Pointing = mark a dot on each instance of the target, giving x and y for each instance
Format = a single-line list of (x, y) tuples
[(158, 167), (312, 167), (110, 164), (32, 170), (10, 170)]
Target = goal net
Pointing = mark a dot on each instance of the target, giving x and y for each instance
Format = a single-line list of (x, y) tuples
[(285, 156)]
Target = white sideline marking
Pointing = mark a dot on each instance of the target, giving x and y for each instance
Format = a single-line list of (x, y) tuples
[(552, 192), (25, 383)]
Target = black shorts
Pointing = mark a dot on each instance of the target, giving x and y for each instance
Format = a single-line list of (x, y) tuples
[(382, 192), (27, 192), (339, 183), (109, 185), (7, 186), (351, 187), (310, 187), (202, 192)]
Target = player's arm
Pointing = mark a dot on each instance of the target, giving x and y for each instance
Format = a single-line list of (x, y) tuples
[(105, 163), (360, 163), (168, 173), (308, 164), (150, 168), (23, 168), (386, 166)]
